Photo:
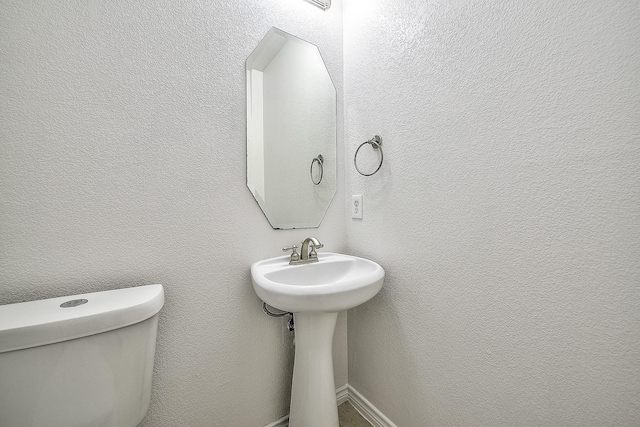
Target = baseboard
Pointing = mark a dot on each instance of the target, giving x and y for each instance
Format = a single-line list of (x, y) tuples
[(362, 405), (367, 410), (282, 422), (342, 394)]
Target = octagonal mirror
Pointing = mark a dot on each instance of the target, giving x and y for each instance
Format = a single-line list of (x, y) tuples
[(291, 131)]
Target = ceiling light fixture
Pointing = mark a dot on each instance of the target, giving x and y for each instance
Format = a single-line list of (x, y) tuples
[(322, 4)]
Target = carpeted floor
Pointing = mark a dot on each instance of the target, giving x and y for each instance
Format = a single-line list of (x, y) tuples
[(349, 417)]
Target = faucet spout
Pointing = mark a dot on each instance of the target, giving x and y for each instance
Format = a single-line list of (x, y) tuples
[(310, 255)]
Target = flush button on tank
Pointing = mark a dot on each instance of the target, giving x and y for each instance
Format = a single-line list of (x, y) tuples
[(74, 303)]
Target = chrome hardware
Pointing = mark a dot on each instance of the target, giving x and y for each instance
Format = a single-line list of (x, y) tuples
[(376, 143), (308, 251), (310, 255), (295, 256), (74, 303), (269, 313), (320, 161)]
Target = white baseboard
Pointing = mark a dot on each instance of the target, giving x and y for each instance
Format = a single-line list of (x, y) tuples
[(346, 393), (282, 422), (367, 410), (342, 394)]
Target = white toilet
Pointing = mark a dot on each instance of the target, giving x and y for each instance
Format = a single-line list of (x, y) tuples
[(79, 361)]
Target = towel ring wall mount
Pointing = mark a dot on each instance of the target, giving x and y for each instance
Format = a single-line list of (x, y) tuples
[(376, 143)]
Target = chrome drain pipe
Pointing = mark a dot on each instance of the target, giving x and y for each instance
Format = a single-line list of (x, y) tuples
[(290, 325)]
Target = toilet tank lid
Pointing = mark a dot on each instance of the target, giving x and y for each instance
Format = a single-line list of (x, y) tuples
[(35, 323)]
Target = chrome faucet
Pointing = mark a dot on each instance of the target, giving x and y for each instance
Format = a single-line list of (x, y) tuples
[(310, 255), (306, 255)]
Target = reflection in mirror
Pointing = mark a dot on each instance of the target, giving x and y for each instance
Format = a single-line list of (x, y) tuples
[(291, 131)]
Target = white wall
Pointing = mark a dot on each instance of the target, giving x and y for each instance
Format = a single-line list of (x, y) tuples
[(122, 162), (506, 213)]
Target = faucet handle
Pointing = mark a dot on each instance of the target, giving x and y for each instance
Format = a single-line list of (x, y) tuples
[(295, 256), (312, 253)]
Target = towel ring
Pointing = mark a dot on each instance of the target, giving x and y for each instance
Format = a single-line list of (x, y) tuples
[(376, 143), (320, 161)]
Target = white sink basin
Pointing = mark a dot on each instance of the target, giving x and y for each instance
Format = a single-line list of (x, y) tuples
[(336, 282)]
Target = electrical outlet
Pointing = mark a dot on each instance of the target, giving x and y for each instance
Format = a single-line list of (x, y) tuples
[(356, 206)]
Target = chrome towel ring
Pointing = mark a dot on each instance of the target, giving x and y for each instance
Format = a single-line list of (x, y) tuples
[(320, 161), (376, 143)]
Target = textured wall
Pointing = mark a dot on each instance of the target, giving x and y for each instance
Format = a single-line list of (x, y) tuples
[(506, 215), (122, 162)]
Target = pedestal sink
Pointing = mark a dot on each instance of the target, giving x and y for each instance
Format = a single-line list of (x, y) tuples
[(315, 293)]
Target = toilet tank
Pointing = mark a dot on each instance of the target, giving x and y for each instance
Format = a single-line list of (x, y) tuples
[(79, 361)]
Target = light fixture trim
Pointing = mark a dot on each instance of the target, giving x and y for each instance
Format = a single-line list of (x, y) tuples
[(322, 4)]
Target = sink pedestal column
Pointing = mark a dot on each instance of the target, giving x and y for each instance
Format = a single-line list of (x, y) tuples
[(313, 393)]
